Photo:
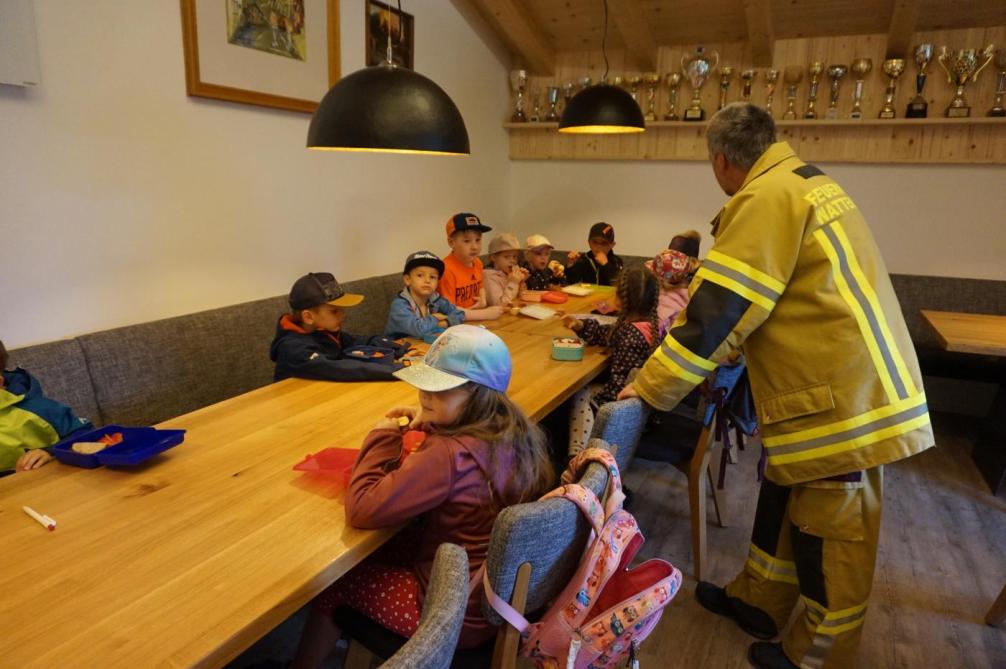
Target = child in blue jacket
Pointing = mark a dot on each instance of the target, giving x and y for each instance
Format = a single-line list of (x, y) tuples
[(30, 422), (310, 343), (419, 309)]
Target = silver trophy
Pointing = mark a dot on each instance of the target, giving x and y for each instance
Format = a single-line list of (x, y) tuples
[(673, 80), (771, 79), (553, 101), (697, 68), (918, 107), (835, 73), (518, 82), (726, 74), (815, 70)]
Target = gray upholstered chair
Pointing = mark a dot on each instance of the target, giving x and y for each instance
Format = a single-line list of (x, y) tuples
[(433, 644), (621, 424), (534, 550)]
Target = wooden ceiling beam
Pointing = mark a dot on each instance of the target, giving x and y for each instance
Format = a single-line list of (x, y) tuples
[(514, 25), (758, 14), (631, 23), (904, 15)]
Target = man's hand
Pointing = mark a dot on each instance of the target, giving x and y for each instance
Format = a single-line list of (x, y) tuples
[(627, 392)]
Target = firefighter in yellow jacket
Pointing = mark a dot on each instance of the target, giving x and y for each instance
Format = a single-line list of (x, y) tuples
[(795, 279)]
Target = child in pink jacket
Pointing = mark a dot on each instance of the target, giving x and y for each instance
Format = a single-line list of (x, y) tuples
[(480, 454)]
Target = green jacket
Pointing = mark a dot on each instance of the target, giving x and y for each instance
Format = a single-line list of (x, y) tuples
[(795, 279), (29, 419)]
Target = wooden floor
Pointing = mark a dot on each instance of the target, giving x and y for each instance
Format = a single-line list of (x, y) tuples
[(941, 563)]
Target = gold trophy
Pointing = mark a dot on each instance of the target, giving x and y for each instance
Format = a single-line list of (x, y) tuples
[(697, 68), (652, 80), (961, 67), (792, 75), (567, 94), (835, 73), (815, 70), (553, 101), (726, 74), (535, 105), (633, 83), (997, 106), (673, 80), (748, 77), (917, 108), (518, 82), (771, 77), (860, 67), (892, 67)]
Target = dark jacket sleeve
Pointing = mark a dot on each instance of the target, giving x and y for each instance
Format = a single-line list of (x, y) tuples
[(302, 358), (594, 333), (380, 498), (581, 271)]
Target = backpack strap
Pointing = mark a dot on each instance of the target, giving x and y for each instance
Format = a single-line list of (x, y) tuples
[(614, 496)]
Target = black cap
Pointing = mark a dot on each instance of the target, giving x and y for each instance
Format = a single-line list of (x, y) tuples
[(423, 259), (318, 288), (602, 230), (465, 221)]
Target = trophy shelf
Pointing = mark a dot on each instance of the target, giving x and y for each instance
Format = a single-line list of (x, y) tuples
[(977, 120)]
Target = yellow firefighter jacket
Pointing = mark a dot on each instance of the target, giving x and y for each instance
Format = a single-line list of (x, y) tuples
[(796, 280)]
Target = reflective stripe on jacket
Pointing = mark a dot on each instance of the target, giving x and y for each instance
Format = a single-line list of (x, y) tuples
[(796, 278)]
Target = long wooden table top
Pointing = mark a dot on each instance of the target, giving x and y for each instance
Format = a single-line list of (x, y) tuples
[(969, 333), (188, 560)]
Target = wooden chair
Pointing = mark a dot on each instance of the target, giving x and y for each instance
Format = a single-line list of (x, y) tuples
[(523, 569)]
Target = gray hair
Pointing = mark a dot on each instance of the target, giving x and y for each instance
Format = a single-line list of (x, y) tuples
[(741, 132)]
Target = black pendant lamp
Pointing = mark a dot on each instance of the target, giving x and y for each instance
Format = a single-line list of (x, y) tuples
[(384, 108), (602, 109)]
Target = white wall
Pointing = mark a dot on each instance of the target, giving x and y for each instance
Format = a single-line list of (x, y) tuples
[(936, 220), (123, 200)]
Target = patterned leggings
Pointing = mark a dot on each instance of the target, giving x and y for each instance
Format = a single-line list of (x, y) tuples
[(581, 418), (385, 593)]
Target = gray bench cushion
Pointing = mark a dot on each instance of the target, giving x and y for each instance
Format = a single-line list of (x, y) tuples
[(153, 371), (62, 370), (371, 315)]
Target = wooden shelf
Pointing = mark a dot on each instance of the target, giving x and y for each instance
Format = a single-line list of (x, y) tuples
[(785, 123)]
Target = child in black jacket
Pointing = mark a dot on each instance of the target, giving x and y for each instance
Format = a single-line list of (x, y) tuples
[(310, 343), (599, 265)]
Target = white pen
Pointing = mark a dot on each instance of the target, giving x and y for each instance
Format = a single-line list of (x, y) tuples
[(44, 520)]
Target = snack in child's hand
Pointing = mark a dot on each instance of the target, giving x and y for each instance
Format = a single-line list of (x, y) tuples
[(403, 421), (377, 354), (88, 447), (360, 354), (556, 268), (514, 311)]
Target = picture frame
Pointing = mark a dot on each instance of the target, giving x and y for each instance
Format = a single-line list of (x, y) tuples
[(285, 60), (377, 18)]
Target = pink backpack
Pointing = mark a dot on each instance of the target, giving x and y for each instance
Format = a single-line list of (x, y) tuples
[(606, 610)]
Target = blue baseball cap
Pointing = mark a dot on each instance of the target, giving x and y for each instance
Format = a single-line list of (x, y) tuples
[(461, 354)]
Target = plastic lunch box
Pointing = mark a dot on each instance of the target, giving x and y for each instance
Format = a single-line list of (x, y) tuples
[(567, 352), (138, 444)]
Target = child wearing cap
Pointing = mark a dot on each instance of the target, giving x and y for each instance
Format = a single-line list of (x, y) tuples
[(543, 273), (480, 455), (30, 422), (599, 265), (310, 343), (461, 282), (504, 279), (419, 309), (674, 269)]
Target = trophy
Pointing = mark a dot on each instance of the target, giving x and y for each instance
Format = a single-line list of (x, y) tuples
[(748, 76), (815, 70), (652, 80), (726, 74), (697, 67), (892, 67), (792, 75), (673, 80), (835, 73), (567, 94), (771, 77), (535, 105), (860, 67), (585, 83), (518, 82), (633, 83), (997, 106), (961, 67), (553, 100), (917, 107)]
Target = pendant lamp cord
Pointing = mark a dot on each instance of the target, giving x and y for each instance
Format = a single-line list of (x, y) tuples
[(401, 27), (604, 38)]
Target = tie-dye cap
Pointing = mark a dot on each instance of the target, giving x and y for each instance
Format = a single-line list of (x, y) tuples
[(461, 354)]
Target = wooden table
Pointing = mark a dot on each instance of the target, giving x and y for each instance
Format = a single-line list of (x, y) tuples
[(980, 334), (190, 559), (969, 333)]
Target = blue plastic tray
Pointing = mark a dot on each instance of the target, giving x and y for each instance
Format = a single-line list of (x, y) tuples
[(138, 444), (368, 353)]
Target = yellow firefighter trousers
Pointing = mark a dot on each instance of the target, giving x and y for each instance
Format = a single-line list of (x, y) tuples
[(817, 542)]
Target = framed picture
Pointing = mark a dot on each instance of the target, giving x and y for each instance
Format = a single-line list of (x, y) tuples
[(381, 19), (272, 53)]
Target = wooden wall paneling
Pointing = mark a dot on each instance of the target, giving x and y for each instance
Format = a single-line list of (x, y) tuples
[(904, 15), (517, 28), (761, 34), (630, 21)]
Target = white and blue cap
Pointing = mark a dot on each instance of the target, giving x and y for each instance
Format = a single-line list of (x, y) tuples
[(461, 354)]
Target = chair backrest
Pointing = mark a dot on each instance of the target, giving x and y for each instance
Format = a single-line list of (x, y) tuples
[(551, 535), (621, 424), (433, 644)]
